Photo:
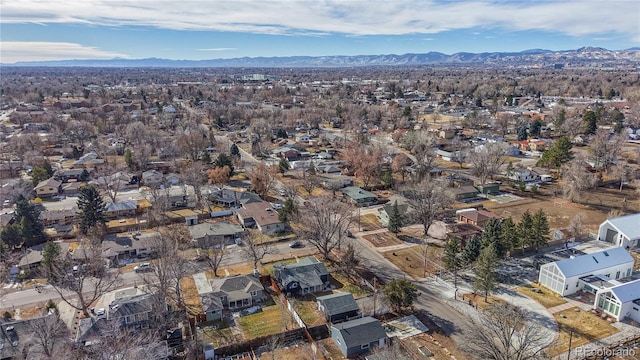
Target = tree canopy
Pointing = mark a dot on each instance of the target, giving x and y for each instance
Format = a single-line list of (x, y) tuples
[(91, 208), (401, 294)]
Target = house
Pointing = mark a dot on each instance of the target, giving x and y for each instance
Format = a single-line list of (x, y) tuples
[(262, 215), (72, 188), (338, 307), (463, 192), (623, 231), (89, 160), (359, 196), (173, 179), (285, 152), (358, 336), (215, 234), (568, 276), (520, 174), (448, 155), (239, 291), (387, 209), (119, 209), (132, 311), (152, 178), (57, 217), (65, 175), (231, 198), (33, 257), (306, 276), (620, 301), (118, 246), (489, 188), (475, 217), (211, 306), (47, 188)]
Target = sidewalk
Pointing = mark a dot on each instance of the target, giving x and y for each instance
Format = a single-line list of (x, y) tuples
[(565, 306)]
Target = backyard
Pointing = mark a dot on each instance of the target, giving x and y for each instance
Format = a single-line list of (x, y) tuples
[(579, 326), (273, 319)]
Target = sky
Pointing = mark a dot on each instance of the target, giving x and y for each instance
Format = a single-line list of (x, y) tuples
[(33, 30)]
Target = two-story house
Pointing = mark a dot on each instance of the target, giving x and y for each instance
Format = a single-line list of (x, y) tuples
[(304, 277)]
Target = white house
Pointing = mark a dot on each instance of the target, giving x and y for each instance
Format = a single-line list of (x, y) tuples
[(519, 174), (620, 301), (568, 276), (623, 231)]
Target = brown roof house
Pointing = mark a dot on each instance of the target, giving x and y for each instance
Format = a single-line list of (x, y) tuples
[(47, 188), (262, 215), (475, 217)]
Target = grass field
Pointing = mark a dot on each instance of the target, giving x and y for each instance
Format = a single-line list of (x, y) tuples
[(343, 284), (547, 298), (586, 328), (386, 238), (272, 319)]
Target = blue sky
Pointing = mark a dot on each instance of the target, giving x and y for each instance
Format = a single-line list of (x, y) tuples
[(207, 29)]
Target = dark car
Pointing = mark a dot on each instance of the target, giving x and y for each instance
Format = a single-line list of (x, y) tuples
[(295, 244)]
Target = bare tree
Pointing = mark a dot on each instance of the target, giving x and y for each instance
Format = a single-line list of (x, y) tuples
[(310, 181), (80, 131), (487, 161), (193, 139), (254, 247), (505, 332), (90, 280), (323, 222), (623, 172), (194, 174), (263, 179), (112, 178), (576, 179), (576, 226), (48, 336), (427, 199), (215, 256), (605, 148)]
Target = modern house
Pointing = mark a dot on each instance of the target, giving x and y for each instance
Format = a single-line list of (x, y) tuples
[(623, 231), (306, 276), (359, 196), (47, 188), (338, 307), (620, 301), (568, 276), (215, 234), (358, 336), (262, 215)]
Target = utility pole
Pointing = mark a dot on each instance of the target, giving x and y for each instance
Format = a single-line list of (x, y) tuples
[(426, 255), (569, 352)]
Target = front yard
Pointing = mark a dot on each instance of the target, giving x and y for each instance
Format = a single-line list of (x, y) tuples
[(586, 327), (542, 295)]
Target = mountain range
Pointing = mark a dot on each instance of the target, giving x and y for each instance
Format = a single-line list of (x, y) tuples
[(585, 56)]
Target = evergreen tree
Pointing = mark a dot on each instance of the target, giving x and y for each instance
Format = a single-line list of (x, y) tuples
[(525, 230), (492, 234), (485, 270), (11, 235), (452, 258), (590, 122), (31, 227), (224, 160), (91, 208), (50, 255), (509, 234), (540, 235), (400, 293), (288, 209), (559, 154), (129, 159), (387, 179), (536, 125), (471, 250), (283, 166), (561, 118), (234, 151), (522, 133), (395, 219), (205, 158), (38, 174)]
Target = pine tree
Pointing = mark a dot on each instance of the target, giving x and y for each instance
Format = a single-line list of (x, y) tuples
[(559, 154), (50, 255), (590, 122), (525, 230), (509, 234), (234, 151), (492, 234), (91, 208), (540, 229), (471, 250), (452, 259), (395, 219), (224, 160), (485, 271), (31, 227), (11, 235), (288, 209), (283, 166), (522, 133)]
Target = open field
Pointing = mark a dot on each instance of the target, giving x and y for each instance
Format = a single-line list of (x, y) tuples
[(585, 326), (410, 260), (547, 298), (386, 238)]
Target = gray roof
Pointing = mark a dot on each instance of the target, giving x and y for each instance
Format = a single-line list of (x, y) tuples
[(236, 287), (628, 225), (114, 244), (590, 263), (34, 254), (306, 271), (360, 331), (627, 292), (356, 193), (214, 229), (211, 302), (122, 205), (131, 305), (338, 303)]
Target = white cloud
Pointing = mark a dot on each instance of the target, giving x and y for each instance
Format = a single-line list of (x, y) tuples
[(43, 51), (375, 17)]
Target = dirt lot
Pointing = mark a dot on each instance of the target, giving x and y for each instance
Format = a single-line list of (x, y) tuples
[(386, 238), (411, 260), (586, 328), (368, 222)]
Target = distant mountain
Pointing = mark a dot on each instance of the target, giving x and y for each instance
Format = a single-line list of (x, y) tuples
[(533, 57)]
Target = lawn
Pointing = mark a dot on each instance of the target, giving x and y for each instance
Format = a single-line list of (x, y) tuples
[(383, 239), (221, 335), (343, 284), (586, 328), (190, 295), (271, 320), (308, 311), (368, 222), (411, 260), (546, 298)]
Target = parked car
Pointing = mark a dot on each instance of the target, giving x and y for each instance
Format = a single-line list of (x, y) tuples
[(144, 267), (295, 244)]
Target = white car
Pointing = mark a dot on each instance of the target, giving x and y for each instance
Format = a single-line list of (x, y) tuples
[(144, 267)]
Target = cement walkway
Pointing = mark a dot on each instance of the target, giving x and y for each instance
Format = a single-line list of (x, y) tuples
[(565, 306)]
